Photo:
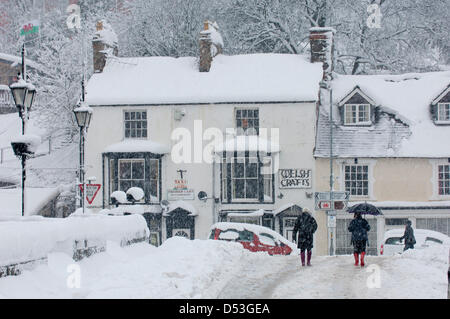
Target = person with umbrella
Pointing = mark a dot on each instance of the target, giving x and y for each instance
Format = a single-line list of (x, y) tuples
[(359, 228), (408, 236), (305, 226)]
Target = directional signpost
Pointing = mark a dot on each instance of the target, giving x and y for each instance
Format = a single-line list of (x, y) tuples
[(335, 201), (331, 202)]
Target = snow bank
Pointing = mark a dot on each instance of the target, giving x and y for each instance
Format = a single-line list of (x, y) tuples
[(30, 239), (178, 269)]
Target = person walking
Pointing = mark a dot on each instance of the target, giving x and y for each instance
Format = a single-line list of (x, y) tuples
[(305, 226), (408, 236), (359, 228)]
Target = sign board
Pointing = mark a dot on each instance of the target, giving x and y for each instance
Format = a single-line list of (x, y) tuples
[(295, 178), (331, 201), (180, 191), (180, 194), (91, 191), (331, 221)]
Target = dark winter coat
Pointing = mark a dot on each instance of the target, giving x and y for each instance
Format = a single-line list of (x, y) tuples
[(305, 226), (408, 236), (359, 228)]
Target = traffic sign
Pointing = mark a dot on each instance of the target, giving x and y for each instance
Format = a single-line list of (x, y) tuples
[(91, 191), (323, 205), (331, 201)]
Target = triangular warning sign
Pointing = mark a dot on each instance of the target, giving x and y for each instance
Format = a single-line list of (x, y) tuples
[(91, 191)]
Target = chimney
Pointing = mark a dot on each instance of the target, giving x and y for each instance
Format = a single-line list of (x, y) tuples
[(104, 44), (322, 49), (211, 44)]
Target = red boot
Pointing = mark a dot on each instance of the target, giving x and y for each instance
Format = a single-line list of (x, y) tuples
[(356, 259), (362, 258), (302, 256), (308, 258)]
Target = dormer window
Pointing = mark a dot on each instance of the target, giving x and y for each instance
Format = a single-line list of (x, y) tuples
[(357, 109), (357, 114), (443, 114)]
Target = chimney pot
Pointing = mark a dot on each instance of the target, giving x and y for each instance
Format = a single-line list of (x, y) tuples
[(322, 49)]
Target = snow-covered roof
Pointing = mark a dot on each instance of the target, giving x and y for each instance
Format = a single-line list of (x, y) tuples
[(36, 199), (283, 208), (183, 205), (135, 145), (257, 213), (238, 78), (17, 60), (252, 143), (404, 128)]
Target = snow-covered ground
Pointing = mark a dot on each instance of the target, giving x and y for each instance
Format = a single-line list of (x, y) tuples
[(182, 268)]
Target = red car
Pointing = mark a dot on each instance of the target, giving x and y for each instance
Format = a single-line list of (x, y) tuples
[(252, 237)]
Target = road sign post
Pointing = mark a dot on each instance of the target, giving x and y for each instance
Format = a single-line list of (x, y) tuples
[(331, 202)]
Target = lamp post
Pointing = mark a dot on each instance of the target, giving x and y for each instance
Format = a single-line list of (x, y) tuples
[(83, 114), (23, 94)]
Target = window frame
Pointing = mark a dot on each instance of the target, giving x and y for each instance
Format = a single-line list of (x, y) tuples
[(371, 180), (111, 177), (244, 179), (241, 117), (444, 105), (227, 186), (357, 118), (125, 120), (130, 180), (446, 189)]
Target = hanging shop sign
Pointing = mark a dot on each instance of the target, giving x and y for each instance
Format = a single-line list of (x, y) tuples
[(295, 178)]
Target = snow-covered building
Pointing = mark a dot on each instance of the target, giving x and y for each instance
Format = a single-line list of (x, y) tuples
[(391, 147), (238, 130)]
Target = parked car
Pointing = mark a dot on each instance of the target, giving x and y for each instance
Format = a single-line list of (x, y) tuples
[(253, 237), (424, 238)]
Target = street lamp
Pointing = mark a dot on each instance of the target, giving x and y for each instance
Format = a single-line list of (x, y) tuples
[(23, 94), (83, 114)]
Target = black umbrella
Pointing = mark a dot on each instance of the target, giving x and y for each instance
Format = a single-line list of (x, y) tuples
[(365, 209)]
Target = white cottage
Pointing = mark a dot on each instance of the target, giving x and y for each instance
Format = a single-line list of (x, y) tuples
[(237, 130)]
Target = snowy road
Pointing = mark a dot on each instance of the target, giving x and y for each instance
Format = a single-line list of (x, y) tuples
[(198, 269)]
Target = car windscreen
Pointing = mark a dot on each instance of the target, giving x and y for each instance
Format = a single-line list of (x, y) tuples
[(393, 241)]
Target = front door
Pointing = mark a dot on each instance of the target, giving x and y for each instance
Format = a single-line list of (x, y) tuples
[(181, 232)]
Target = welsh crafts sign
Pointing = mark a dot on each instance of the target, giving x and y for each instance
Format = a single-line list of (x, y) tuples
[(295, 178)]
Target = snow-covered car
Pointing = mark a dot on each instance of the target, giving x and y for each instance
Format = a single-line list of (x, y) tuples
[(253, 237), (424, 238)]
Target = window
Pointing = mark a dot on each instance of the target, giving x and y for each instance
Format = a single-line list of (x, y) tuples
[(245, 178), (135, 124), (154, 180), (396, 221), (357, 114), (444, 112), (357, 180), (267, 178), (247, 121), (131, 173), (444, 179), (224, 179)]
